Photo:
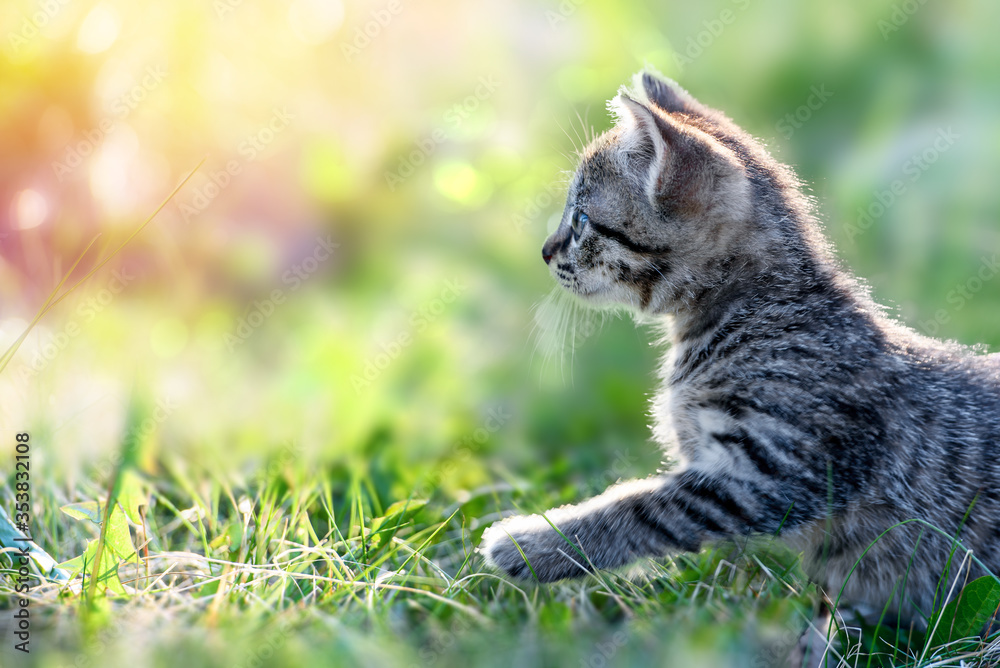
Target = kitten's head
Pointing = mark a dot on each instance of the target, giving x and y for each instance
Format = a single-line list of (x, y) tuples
[(664, 205)]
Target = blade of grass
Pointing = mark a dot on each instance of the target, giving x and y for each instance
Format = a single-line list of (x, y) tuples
[(9, 354), (51, 302)]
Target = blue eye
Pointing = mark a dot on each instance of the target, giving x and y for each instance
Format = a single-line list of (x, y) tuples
[(578, 222)]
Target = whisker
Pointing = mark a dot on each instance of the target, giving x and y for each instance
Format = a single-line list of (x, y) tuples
[(576, 149), (583, 128), (586, 116)]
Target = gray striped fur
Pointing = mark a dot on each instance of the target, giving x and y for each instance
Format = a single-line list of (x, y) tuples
[(789, 398)]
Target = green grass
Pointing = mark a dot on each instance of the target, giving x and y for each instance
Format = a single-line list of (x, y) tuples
[(313, 566)]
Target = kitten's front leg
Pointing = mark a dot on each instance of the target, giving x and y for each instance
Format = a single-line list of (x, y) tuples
[(601, 528), (637, 519)]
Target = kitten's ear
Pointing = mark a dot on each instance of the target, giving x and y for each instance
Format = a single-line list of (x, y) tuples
[(679, 167), (668, 95), (649, 137)]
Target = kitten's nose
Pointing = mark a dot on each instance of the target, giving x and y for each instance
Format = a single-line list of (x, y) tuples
[(554, 243)]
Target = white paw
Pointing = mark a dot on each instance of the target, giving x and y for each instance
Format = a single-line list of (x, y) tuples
[(541, 545)]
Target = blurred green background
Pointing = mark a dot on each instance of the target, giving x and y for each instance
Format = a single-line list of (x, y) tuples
[(353, 276)]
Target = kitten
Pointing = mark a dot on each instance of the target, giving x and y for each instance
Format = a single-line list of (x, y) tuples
[(793, 403)]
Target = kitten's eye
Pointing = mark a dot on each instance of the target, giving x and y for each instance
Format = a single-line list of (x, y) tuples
[(578, 222)]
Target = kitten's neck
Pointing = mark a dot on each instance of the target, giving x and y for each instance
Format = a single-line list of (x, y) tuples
[(773, 288), (697, 319)]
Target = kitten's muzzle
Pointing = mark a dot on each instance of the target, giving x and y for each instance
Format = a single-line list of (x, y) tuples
[(559, 240)]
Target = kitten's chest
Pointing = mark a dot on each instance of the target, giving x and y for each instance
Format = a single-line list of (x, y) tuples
[(684, 423)]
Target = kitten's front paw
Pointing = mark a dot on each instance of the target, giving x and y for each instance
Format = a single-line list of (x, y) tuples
[(501, 553), (550, 555)]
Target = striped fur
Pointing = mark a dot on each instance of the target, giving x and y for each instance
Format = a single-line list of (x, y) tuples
[(792, 402)]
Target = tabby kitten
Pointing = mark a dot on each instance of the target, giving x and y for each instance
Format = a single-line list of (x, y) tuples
[(793, 403)]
